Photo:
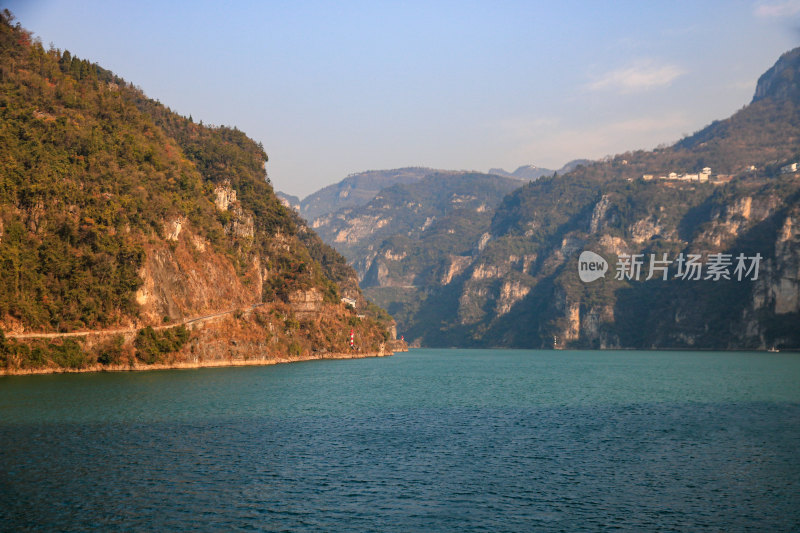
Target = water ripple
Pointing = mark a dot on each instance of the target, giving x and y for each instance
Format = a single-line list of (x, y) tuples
[(465, 462)]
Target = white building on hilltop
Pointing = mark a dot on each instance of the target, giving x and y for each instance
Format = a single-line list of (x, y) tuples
[(702, 176)]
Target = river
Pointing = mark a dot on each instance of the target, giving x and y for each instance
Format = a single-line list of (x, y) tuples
[(429, 440)]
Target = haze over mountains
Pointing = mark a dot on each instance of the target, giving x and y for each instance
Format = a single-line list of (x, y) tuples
[(505, 273), (359, 188)]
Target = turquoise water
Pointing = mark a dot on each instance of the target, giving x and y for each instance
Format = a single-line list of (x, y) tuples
[(430, 440)]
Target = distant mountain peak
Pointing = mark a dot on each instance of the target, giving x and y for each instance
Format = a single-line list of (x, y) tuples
[(524, 172), (288, 200), (782, 81)]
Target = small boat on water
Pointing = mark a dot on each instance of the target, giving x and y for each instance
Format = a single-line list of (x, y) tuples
[(773, 350)]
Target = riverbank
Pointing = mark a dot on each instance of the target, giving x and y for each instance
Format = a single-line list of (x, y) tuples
[(210, 363), (258, 335)]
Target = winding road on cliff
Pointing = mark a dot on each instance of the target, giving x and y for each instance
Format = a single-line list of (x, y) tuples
[(122, 331)]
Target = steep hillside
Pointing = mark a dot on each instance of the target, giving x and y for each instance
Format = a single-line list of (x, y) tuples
[(517, 284), (122, 222), (751, 215), (447, 210)]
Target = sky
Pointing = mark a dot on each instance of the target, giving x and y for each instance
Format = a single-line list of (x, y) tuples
[(337, 87)]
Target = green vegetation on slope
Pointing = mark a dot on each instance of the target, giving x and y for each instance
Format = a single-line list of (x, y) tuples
[(83, 172), (91, 173)]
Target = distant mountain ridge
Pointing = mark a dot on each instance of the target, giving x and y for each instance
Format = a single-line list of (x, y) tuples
[(445, 204), (525, 172), (357, 189)]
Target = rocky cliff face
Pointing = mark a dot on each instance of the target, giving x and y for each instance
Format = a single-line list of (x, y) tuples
[(777, 291), (229, 310), (784, 274), (536, 299), (780, 82), (446, 207)]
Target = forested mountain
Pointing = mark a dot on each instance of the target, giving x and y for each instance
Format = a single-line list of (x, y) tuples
[(517, 283), (118, 214)]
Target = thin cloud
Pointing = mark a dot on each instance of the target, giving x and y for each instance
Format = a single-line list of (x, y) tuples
[(786, 8), (641, 77), (556, 145)]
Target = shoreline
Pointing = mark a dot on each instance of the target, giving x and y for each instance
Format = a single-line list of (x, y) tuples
[(189, 365)]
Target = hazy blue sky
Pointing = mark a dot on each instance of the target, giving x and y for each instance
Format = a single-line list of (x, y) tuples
[(332, 88)]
